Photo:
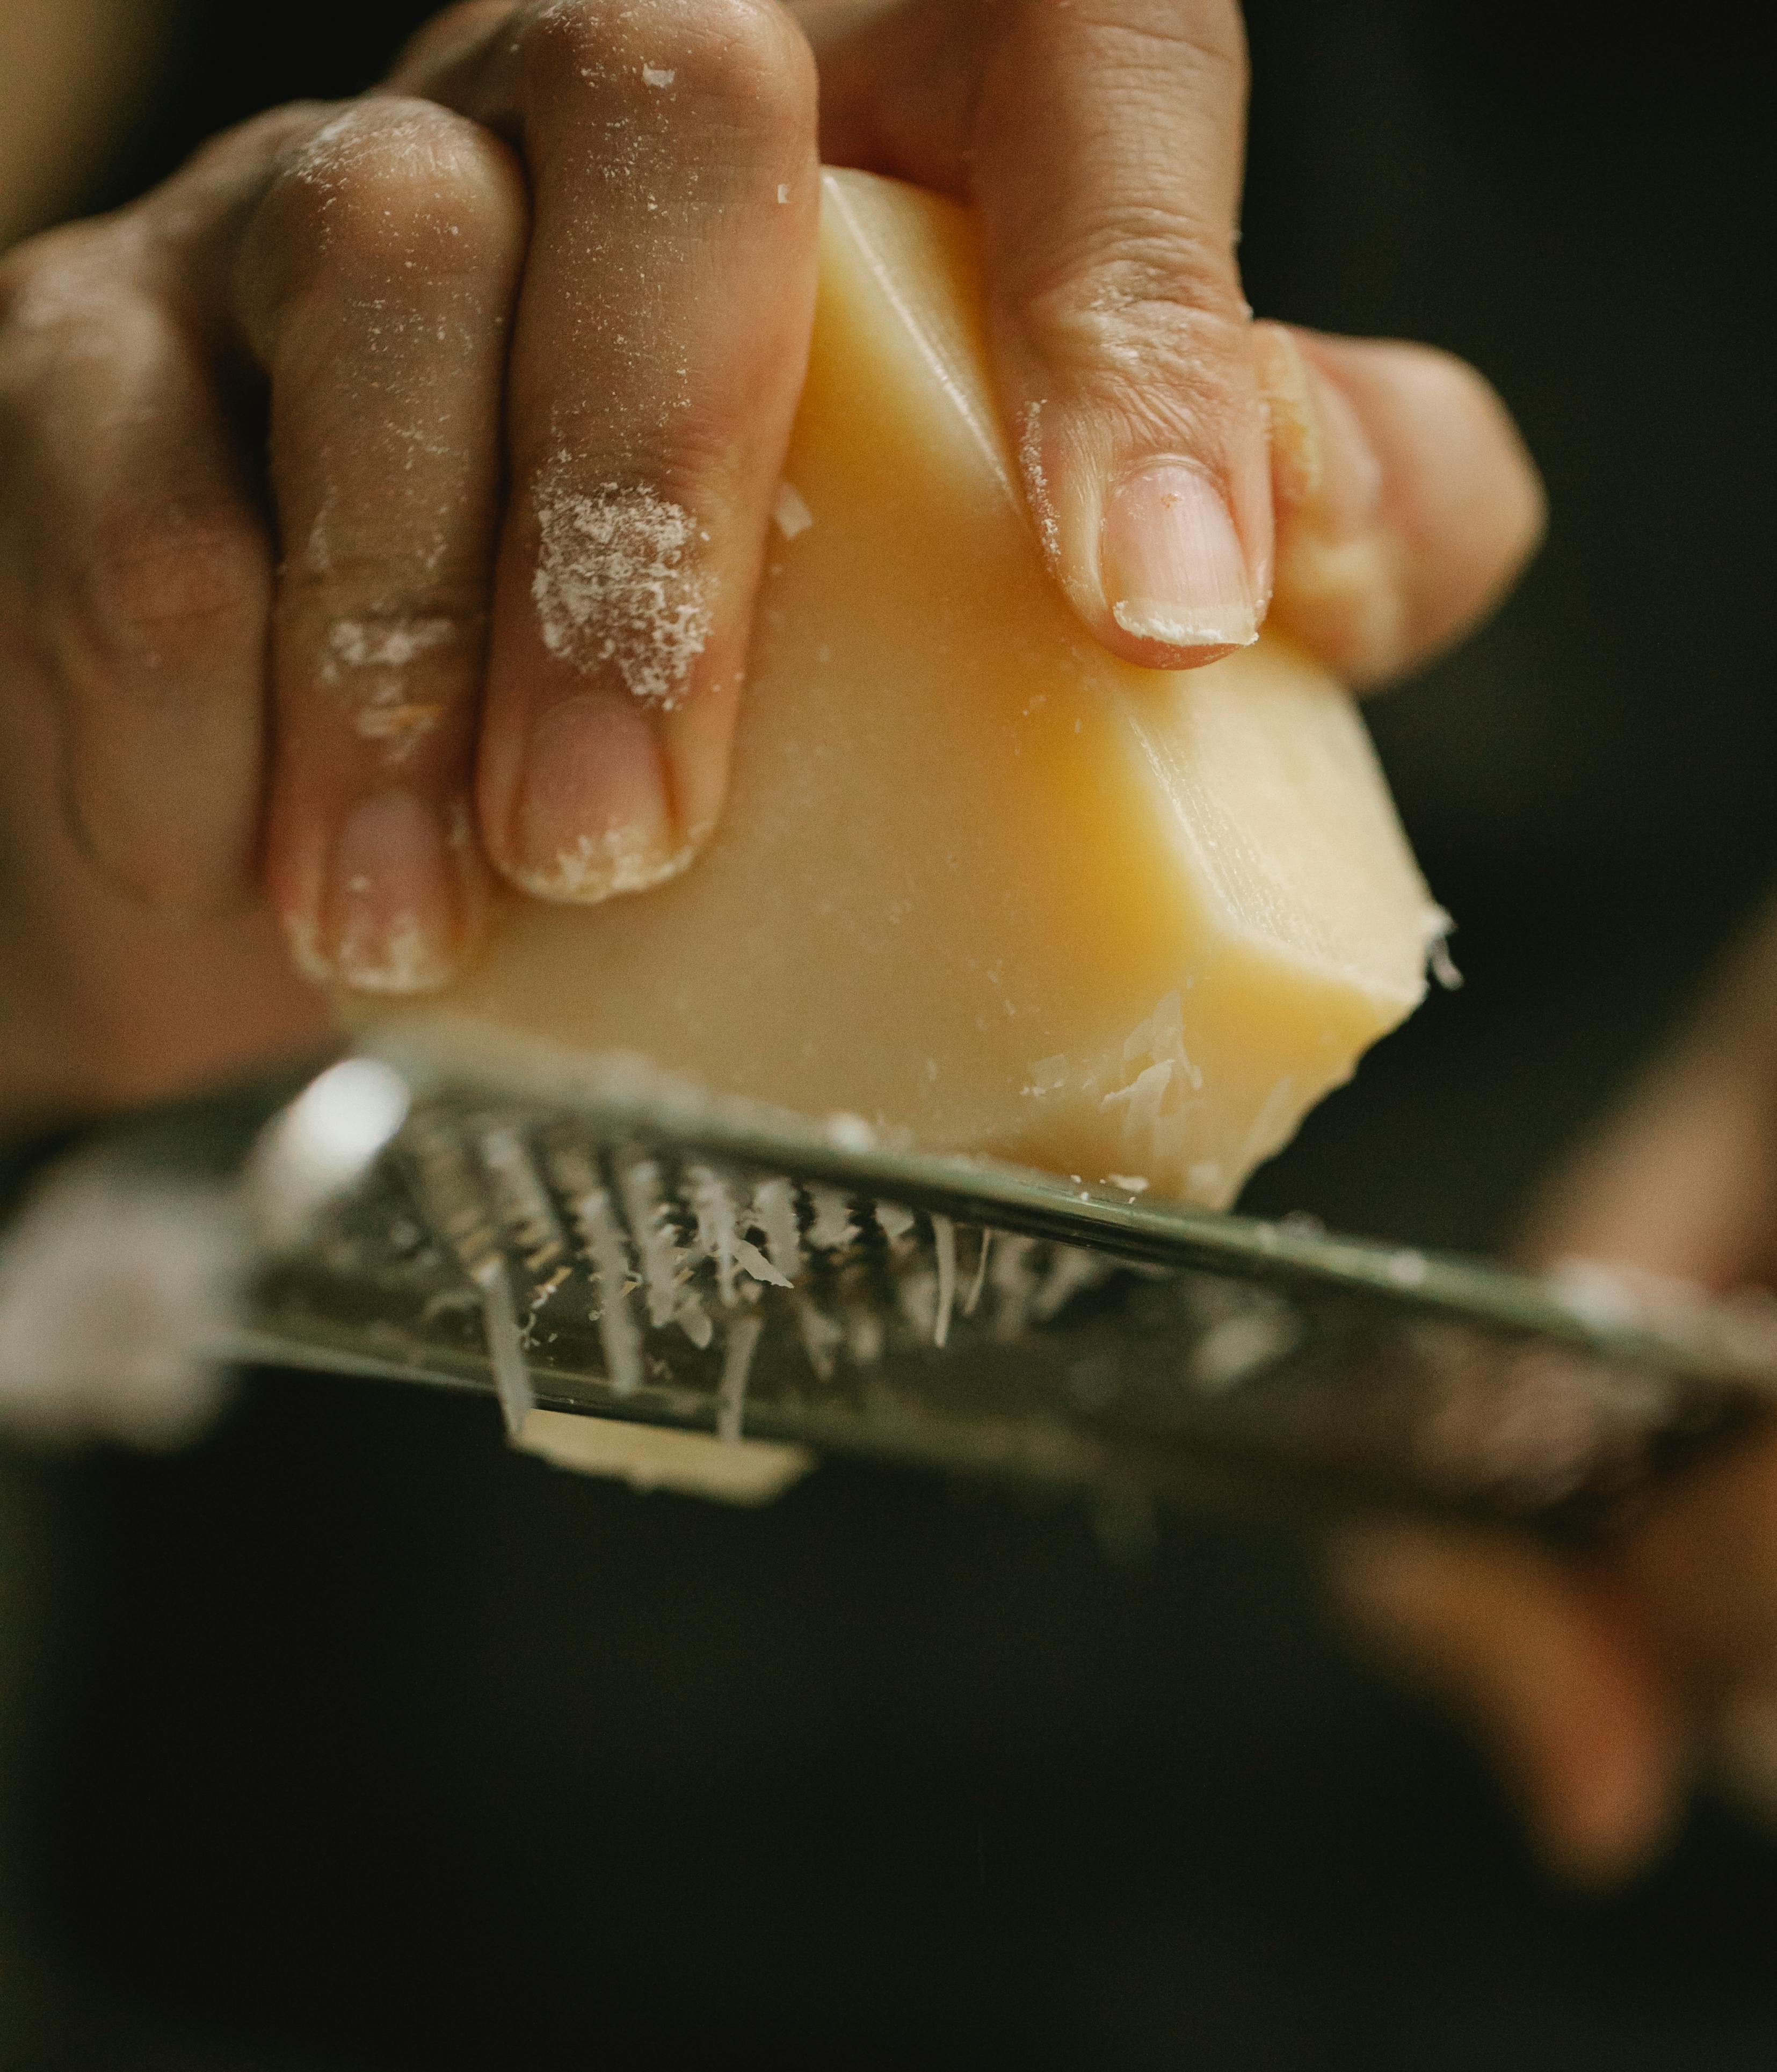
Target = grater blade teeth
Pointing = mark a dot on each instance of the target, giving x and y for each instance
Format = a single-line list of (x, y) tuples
[(606, 1248), (580, 1236)]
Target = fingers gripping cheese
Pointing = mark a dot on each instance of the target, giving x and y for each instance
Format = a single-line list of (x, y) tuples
[(976, 880)]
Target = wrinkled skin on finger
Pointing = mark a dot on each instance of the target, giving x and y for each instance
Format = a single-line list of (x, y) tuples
[(1604, 1686), (382, 500), (376, 281), (659, 340)]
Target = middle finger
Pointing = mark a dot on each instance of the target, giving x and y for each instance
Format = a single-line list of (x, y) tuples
[(658, 354)]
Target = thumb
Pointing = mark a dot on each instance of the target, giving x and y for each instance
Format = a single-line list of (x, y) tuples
[(1553, 1681)]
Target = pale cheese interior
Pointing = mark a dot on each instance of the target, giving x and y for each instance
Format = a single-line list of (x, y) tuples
[(976, 880)]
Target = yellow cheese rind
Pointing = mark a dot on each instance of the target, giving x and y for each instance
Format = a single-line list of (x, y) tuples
[(977, 880)]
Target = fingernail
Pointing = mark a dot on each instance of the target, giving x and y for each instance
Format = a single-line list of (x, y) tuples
[(1174, 568), (593, 815), (393, 916)]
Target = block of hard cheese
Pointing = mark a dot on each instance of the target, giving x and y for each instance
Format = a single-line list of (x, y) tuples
[(977, 881)]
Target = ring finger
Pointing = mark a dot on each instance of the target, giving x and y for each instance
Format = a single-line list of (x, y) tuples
[(377, 285)]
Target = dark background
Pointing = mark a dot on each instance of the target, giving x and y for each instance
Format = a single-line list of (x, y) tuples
[(351, 1740)]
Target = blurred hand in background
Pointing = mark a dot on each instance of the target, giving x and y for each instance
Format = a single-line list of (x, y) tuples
[(382, 499), (1604, 1686)]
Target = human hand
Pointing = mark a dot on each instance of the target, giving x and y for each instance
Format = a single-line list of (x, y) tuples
[(381, 500), (1603, 1685)]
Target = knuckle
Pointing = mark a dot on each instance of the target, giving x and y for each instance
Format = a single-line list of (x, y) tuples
[(395, 655), (1142, 296), (54, 280), (389, 187), (401, 615), (747, 58), (1202, 39), (168, 596), (747, 54), (235, 163), (366, 615)]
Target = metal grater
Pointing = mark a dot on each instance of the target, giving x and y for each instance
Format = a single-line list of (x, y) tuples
[(591, 1243)]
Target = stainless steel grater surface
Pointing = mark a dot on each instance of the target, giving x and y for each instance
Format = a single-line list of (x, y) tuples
[(582, 1237)]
